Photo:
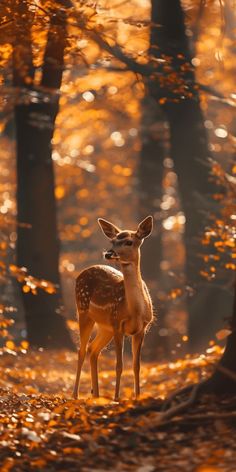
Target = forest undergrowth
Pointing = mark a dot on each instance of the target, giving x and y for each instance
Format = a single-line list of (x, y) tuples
[(43, 429)]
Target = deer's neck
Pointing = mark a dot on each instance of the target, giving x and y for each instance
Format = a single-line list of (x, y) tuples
[(134, 291)]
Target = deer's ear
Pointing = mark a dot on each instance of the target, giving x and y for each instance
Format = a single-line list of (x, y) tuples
[(145, 228), (108, 228)]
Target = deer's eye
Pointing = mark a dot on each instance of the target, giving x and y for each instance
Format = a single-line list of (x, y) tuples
[(128, 243)]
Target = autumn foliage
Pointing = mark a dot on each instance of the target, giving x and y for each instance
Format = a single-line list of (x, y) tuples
[(96, 111), (43, 428)]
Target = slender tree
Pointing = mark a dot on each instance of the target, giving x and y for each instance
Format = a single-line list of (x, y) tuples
[(150, 181), (35, 115), (224, 378), (150, 177)]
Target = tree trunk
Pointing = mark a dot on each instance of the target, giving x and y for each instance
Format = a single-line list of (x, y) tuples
[(150, 174), (178, 96), (35, 114), (220, 382), (150, 177)]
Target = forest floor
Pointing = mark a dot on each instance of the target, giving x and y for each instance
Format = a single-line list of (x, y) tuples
[(43, 429)]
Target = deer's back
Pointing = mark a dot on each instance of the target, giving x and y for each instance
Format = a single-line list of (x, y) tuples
[(101, 286)]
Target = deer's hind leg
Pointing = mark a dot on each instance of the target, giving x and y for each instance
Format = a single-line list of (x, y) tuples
[(137, 340), (119, 346), (85, 327), (101, 340)]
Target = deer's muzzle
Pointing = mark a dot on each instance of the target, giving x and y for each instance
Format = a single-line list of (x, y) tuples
[(110, 254)]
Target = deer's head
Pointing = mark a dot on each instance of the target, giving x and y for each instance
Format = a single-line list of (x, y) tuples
[(125, 243)]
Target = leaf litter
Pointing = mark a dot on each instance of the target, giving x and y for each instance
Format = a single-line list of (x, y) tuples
[(42, 428)]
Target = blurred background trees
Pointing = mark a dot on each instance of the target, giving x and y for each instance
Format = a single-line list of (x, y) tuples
[(133, 136), (176, 92), (35, 114)]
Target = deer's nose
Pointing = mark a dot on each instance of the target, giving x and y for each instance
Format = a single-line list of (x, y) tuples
[(111, 254)]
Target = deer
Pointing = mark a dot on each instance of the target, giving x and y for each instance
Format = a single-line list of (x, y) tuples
[(116, 301)]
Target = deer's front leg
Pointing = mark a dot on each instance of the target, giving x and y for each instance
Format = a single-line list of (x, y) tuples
[(119, 343), (137, 340)]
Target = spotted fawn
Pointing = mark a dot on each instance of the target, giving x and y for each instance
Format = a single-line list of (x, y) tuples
[(118, 302)]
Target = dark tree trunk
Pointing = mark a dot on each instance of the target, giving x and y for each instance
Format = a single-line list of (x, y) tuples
[(150, 184), (221, 382), (38, 245), (150, 177), (177, 94)]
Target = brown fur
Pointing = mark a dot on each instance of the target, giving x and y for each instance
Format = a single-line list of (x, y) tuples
[(118, 302)]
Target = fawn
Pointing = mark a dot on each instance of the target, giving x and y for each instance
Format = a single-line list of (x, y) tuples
[(117, 301)]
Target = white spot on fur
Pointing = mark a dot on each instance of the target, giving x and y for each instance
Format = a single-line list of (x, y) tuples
[(101, 307)]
